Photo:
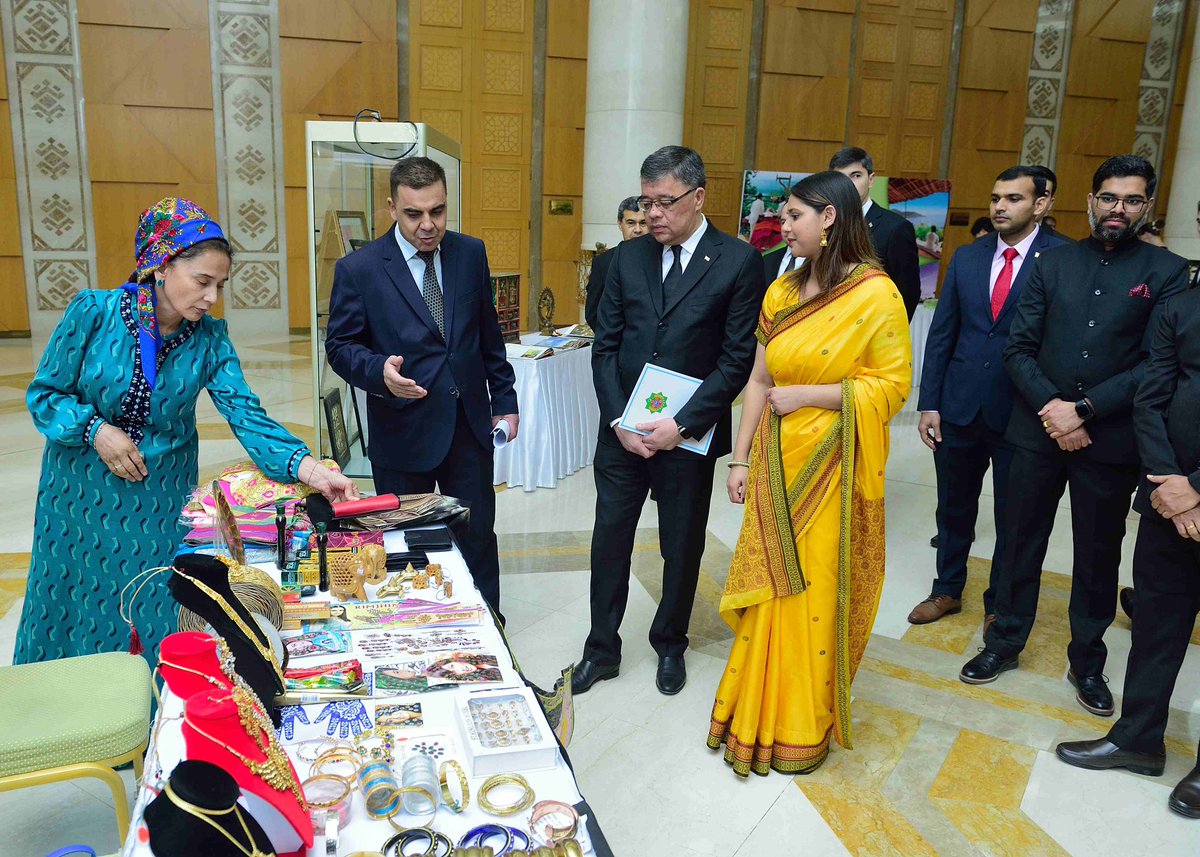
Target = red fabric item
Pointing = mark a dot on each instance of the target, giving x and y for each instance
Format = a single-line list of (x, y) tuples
[(193, 651), (382, 503), (135, 641), (1003, 282), (219, 719)]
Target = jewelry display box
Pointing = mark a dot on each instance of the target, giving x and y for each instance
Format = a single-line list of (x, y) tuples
[(500, 733)]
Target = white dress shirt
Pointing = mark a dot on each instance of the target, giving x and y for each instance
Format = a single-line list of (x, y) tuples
[(998, 260), (783, 263), (416, 265), (688, 248)]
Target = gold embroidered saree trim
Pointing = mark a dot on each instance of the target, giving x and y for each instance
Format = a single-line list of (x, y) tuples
[(787, 576), (798, 312), (761, 759), (842, 676)]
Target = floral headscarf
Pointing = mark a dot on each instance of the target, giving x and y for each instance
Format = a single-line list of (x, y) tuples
[(165, 230)]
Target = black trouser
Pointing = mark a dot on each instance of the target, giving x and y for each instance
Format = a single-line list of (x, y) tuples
[(465, 473), (1166, 575), (961, 460), (1100, 497), (683, 484)]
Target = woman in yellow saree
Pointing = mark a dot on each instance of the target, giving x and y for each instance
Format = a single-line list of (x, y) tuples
[(833, 367)]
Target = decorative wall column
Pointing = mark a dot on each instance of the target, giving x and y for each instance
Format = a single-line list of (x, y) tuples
[(1185, 181), (248, 121), (1155, 92), (1047, 84), (54, 191), (636, 80)]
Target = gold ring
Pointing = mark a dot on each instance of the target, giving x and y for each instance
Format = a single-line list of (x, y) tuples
[(1045, 423)]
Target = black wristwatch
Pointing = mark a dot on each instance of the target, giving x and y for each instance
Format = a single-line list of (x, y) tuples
[(683, 432), (1085, 410)]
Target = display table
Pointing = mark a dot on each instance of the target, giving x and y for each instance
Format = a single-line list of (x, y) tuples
[(439, 724), (918, 330), (559, 420)]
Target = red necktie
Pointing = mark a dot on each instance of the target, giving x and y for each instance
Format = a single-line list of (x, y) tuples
[(1003, 282)]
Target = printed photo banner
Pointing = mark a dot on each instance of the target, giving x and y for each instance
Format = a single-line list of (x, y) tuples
[(923, 202)]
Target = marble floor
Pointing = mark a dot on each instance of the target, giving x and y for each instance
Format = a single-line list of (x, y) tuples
[(939, 767)]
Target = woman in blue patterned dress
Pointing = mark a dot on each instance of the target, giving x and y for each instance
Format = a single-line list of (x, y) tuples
[(115, 395)]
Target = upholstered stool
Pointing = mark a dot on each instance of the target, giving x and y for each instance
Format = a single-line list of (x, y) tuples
[(76, 717)]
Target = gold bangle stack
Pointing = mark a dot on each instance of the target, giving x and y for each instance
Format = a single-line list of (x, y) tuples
[(456, 806), (499, 781), (333, 757)]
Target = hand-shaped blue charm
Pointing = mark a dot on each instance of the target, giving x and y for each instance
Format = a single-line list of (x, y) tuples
[(347, 716), (288, 715)]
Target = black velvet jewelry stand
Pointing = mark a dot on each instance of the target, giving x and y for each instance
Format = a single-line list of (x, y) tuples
[(175, 832), (249, 662)]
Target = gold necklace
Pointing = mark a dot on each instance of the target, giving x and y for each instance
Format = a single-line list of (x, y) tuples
[(203, 815), (274, 770), (265, 651), (254, 721)]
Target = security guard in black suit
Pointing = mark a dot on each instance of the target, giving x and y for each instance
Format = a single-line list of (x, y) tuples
[(892, 236), (631, 220), (1076, 352), (1166, 561)]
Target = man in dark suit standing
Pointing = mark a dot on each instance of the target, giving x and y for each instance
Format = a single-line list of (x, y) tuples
[(1166, 560), (411, 321), (966, 397), (893, 237), (1076, 352), (1045, 220), (778, 262), (686, 298), (631, 220)]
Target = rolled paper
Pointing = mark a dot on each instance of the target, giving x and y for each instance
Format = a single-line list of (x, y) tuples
[(382, 503)]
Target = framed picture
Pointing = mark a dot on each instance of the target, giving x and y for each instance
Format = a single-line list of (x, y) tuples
[(353, 226), (357, 244), (335, 424)]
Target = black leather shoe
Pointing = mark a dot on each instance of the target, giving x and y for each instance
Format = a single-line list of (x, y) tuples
[(1093, 694), (985, 666), (1102, 754), (1125, 598), (587, 673), (672, 675), (1185, 798)]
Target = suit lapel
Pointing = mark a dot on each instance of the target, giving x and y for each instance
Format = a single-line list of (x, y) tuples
[(983, 272), (450, 259), (871, 216), (706, 254), (654, 276), (398, 270)]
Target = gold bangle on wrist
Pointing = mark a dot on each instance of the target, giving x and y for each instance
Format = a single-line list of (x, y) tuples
[(499, 781), (464, 785), (738, 464)]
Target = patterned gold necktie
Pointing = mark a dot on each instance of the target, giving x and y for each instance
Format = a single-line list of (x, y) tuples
[(433, 291)]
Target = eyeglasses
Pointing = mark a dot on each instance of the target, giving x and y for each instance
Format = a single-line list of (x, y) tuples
[(645, 203), (1132, 203)]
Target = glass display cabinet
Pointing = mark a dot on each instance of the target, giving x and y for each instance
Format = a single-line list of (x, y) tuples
[(349, 164)]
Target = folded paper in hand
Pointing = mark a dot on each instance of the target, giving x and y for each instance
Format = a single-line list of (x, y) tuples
[(661, 394)]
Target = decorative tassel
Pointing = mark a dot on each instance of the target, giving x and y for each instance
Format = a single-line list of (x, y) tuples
[(135, 641)]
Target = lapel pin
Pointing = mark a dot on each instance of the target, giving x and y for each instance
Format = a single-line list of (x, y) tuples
[(1037, 254), (705, 258)]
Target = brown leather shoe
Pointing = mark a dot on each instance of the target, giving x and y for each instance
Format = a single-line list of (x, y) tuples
[(933, 608)]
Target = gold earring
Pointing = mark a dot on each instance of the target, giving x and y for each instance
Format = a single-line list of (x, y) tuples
[(824, 238)]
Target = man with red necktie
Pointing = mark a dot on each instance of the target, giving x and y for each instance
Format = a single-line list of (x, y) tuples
[(1077, 350), (966, 396)]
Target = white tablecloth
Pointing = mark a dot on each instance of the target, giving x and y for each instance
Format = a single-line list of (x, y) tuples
[(559, 420), (167, 746), (918, 329)]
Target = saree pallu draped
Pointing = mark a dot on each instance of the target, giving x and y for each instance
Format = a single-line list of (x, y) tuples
[(807, 572)]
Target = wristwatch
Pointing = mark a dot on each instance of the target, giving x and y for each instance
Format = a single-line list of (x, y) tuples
[(683, 432), (1085, 410)]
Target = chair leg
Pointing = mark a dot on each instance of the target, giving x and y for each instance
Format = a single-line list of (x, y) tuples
[(139, 761), (117, 786)]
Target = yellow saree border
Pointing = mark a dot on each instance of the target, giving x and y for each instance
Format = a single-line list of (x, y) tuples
[(843, 674)]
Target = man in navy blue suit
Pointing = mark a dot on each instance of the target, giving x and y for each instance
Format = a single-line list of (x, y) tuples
[(966, 396), (411, 321)]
